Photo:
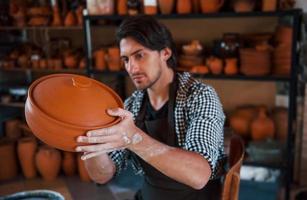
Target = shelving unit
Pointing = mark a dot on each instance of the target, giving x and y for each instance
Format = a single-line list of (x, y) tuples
[(292, 80)]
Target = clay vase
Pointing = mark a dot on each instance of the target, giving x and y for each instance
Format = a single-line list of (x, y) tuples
[(12, 130), (122, 8), (57, 19), (269, 5), (231, 66), (69, 164), (79, 14), (113, 59), (244, 5), (82, 170), (280, 118), (26, 150), (70, 19), (8, 161), (99, 57), (166, 6), (150, 7), (241, 119), (262, 126), (48, 162), (215, 65), (184, 6), (211, 6)]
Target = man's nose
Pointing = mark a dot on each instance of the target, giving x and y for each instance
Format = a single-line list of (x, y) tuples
[(133, 67)]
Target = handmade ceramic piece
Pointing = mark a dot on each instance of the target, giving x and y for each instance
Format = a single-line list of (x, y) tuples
[(211, 6), (26, 150), (166, 6), (61, 107), (69, 164), (82, 170), (262, 126)]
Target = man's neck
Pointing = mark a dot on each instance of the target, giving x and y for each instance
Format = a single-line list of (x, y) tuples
[(159, 93)]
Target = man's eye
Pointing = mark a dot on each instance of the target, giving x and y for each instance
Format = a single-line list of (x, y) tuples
[(125, 60), (138, 56)]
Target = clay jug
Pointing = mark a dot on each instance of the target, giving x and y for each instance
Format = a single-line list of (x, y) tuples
[(215, 65), (150, 7), (122, 8), (48, 162), (184, 6), (166, 6), (12, 130), (99, 57), (211, 6), (8, 161), (269, 5), (26, 150), (57, 19), (79, 14), (70, 19), (82, 170), (69, 164), (113, 59), (231, 66), (262, 126), (280, 118)]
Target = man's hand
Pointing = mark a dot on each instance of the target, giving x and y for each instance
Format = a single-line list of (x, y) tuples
[(116, 137)]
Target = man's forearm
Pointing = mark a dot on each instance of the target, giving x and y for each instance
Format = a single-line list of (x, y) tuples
[(184, 166), (100, 168)]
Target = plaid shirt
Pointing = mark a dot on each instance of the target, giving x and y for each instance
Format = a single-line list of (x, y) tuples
[(199, 122)]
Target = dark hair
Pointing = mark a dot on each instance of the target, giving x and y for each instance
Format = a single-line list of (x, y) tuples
[(150, 33)]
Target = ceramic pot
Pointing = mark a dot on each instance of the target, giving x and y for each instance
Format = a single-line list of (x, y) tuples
[(113, 59), (26, 150), (122, 8), (12, 130), (269, 5), (79, 13), (184, 6), (150, 7), (244, 5), (231, 66), (48, 162), (58, 121), (211, 6), (57, 19), (70, 19), (215, 65), (8, 161), (262, 126), (82, 170), (69, 164), (99, 57), (166, 6)]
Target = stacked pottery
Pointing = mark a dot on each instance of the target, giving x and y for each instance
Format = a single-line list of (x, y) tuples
[(48, 162), (184, 6), (269, 5), (12, 129), (282, 51), (82, 170), (255, 62), (8, 161), (69, 164), (191, 55), (26, 150), (122, 8)]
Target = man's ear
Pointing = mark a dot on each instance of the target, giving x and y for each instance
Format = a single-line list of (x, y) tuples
[(166, 53)]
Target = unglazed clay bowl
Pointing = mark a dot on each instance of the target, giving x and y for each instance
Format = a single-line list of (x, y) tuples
[(61, 107)]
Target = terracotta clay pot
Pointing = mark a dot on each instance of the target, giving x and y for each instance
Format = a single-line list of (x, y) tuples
[(57, 19), (48, 162), (150, 7), (99, 57), (231, 66), (269, 5), (184, 6), (122, 8), (211, 6), (82, 170), (79, 14), (244, 5), (12, 130), (8, 161), (70, 19), (69, 164), (26, 150), (113, 59), (166, 6), (215, 65), (58, 121), (262, 126)]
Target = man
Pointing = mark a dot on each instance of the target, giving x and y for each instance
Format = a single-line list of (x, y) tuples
[(171, 128)]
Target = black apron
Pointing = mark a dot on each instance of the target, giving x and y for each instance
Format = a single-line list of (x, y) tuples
[(156, 185)]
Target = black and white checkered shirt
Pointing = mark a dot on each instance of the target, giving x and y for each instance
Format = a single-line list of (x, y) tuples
[(199, 122)]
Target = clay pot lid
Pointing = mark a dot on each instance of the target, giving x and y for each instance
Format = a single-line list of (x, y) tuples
[(74, 100)]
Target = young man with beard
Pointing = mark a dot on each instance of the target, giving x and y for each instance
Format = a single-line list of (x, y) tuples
[(171, 127)]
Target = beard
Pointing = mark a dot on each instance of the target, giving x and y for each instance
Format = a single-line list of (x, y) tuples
[(148, 83)]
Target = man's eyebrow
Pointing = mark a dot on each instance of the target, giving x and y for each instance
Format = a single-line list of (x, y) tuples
[(133, 53)]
